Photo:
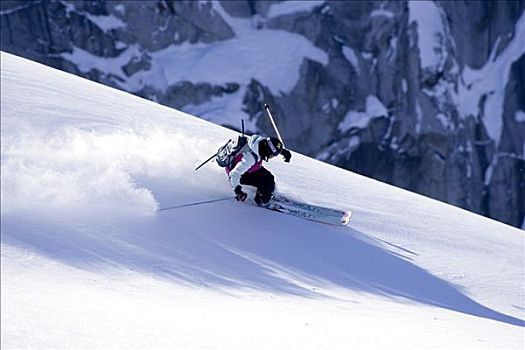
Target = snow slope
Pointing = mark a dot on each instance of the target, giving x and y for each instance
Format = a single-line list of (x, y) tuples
[(88, 260)]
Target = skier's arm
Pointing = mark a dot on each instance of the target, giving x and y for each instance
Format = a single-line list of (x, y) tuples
[(240, 168)]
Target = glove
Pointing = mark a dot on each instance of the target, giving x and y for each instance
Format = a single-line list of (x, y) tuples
[(287, 155), (239, 194)]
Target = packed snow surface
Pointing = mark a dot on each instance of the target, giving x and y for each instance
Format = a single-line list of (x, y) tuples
[(88, 260)]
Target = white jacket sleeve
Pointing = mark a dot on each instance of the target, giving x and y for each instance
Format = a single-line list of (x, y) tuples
[(240, 168)]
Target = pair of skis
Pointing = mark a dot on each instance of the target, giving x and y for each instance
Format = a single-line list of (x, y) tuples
[(309, 211), (292, 207)]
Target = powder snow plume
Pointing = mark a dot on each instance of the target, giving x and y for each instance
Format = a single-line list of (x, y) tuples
[(94, 168)]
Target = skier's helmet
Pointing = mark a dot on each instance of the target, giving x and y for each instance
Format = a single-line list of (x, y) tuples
[(270, 147)]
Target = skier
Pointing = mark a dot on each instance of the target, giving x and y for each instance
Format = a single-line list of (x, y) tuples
[(247, 168)]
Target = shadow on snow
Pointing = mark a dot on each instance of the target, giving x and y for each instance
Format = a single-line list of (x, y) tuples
[(231, 247)]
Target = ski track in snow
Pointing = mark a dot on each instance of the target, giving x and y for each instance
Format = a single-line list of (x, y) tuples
[(87, 261)]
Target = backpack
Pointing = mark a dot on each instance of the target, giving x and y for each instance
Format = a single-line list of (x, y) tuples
[(227, 153)]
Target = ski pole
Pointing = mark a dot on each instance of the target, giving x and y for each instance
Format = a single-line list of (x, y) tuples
[(267, 108), (196, 203), (206, 161)]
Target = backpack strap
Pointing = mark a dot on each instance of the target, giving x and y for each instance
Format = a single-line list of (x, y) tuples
[(255, 156)]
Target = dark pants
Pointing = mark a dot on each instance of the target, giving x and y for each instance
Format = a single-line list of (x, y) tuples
[(263, 180)]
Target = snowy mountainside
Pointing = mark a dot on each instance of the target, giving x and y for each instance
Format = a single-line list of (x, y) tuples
[(425, 95), (88, 261)]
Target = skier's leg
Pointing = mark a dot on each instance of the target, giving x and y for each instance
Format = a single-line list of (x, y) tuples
[(264, 181), (266, 187)]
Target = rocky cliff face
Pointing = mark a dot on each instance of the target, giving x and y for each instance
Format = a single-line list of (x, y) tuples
[(428, 96)]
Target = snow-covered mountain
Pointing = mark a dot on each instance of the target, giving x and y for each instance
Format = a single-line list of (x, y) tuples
[(425, 95), (88, 261)]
